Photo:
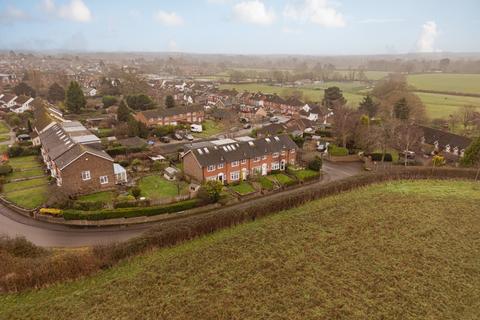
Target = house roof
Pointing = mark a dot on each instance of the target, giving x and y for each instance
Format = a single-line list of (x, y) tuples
[(75, 152), (212, 154), (271, 129), (132, 142), (42, 118), (444, 138), (7, 97), (22, 99)]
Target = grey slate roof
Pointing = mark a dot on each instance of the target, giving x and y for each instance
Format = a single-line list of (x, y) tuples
[(76, 151), (160, 113), (236, 151), (444, 138)]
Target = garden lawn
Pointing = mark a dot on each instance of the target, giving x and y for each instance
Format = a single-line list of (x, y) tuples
[(26, 184), (281, 178), (266, 183), (415, 256), (305, 174), (104, 196), (4, 127), (24, 162), (210, 128), (4, 137), (29, 198), (243, 187), (34, 172), (156, 187)]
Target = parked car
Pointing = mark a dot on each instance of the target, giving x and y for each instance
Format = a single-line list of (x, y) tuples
[(274, 119), (189, 137), (165, 139), (247, 126), (177, 136), (196, 128)]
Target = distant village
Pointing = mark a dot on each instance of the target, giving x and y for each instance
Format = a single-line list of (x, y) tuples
[(118, 128)]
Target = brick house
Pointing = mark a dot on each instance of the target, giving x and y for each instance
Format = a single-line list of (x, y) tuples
[(230, 160), (171, 116)]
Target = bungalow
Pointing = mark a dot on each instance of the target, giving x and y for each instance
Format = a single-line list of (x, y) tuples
[(90, 92), (229, 160), (7, 100), (22, 104), (171, 116), (444, 142)]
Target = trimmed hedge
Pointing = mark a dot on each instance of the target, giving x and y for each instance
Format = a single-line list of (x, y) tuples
[(129, 212), (378, 157)]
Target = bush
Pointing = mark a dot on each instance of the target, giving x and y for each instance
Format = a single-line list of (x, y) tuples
[(378, 157), (136, 192), (129, 212), (19, 151), (51, 211), (337, 151), (315, 164), (87, 205), (5, 169), (210, 192), (109, 101)]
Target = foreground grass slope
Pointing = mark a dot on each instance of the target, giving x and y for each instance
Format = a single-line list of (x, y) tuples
[(405, 250)]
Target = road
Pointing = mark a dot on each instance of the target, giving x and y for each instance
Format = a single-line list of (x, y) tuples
[(51, 235)]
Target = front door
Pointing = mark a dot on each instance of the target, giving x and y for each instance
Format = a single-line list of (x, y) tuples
[(244, 174), (282, 165), (264, 169), (221, 177)]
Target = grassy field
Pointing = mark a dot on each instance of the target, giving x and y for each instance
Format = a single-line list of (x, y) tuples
[(447, 82), (442, 105), (156, 187), (344, 257), (29, 198), (311, 94)]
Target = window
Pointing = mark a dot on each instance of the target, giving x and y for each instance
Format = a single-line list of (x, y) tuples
[(220, 165), (211, 168), (256, 159), (234, 163), (86, 175), (211, 178), (275, 155), (244, 161), (283, 153), (103, 179), (275, 165), (257, 170), (235, 175), (292, 151), (264, 157)]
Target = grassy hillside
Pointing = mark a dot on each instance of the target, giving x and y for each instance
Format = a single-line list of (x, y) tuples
[(447, 82), (417, 255), (443, 105)]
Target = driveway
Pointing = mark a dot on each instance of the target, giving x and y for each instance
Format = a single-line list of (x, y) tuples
[(50, 235)]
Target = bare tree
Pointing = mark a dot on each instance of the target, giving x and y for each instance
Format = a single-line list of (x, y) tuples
[(345, 120), (407, 138)]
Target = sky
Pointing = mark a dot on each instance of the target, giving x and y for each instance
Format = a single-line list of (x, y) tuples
[(311, 27)]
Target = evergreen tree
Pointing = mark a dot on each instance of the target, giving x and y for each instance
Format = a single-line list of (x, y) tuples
[(123, 112), (401, 110), (368, 107), (24, 89), (333, 98), (55, 93), (74, 98), (472, 154), (169, 101)]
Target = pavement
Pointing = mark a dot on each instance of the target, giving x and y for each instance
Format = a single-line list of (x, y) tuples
[(51, 235)]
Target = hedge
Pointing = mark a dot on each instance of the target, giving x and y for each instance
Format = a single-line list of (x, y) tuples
[(5, 169), (129, 212), (337, 151), (378, 157)]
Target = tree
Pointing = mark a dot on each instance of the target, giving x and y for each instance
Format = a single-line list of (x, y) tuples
[(108, 101), (123, 112), (56, 93), (169, 102), (466, 115), (407, 138), (315, 164), (140, 102), (471, 156), (443, 64), (345, 120), (136, 192), (367, 106), (24, 89), (333, 98), (210, 191), (74, 98), (401, 110)]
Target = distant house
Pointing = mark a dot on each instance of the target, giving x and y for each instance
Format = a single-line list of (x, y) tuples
[(172, 116), (444, 142), (7, 101), (90, 92), (230, 160), (22, 104)]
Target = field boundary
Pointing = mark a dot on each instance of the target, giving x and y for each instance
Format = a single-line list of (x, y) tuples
[(449, 93)]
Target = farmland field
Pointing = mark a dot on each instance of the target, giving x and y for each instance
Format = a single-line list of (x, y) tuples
[(446, 82), (415, 257), (443, 105)]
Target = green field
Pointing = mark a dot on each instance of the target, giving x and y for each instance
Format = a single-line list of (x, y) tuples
[(442, 105), (309, 94), (416, 256), (30, 198), (446, 82)]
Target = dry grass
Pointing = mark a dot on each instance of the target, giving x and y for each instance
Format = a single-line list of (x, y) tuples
[(405, 250)]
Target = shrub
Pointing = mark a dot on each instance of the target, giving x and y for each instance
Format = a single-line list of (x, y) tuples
[(210, 192), (5, 169), (315, 164), (378, 157), (19, 151), (129, 212), (337, 151), (136, 192), (51, 211), (87, 205), (109, 101)]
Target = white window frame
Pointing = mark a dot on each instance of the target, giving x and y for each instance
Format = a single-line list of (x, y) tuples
[(283, 152), (211, 168), (257, 159), (86, 175), (103, 179), (292, 151), (264, 157), (235, 163), (244, 161), (275, 165), (235, 175), (220, 166)]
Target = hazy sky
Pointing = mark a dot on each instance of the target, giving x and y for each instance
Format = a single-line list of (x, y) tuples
[(243, 26)]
